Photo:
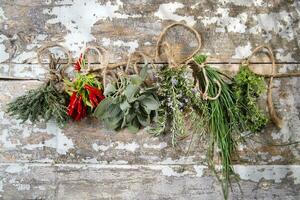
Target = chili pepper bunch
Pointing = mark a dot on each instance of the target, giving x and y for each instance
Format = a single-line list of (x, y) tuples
[(85, 92)]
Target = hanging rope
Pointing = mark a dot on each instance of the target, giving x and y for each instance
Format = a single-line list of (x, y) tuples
[(167, 48), (56, 73), (273, 115)]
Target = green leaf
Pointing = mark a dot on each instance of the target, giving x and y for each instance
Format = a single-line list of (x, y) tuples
[(125, 105), (132, 128), (144, 121), (144, 72), (136, 80), (150, 103), (102, 107), (130, 92), (109, 89)]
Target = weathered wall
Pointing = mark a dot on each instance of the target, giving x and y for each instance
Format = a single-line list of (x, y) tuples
[(86, 161)]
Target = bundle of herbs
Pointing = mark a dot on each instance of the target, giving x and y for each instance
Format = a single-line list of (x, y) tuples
[(248, 87), (45, 102), (129, 102), (224, 120), (178, 102)]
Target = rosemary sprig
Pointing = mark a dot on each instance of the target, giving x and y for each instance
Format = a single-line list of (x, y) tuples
[(44, 102)]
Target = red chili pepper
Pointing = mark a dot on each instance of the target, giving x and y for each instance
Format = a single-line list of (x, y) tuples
[(72, 104), (77, 65), (79, 109), (95, 90), (95, 95), (91, 96)]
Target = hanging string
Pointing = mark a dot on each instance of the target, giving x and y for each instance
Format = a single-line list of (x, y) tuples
[(167, 48), (55, 74), (273, 115)]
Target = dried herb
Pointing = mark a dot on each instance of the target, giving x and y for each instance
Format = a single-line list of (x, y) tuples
[(45, 102), (248, 87), (178, 102), (224, 121), (129, 103)]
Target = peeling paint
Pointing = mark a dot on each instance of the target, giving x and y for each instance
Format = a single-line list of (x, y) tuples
[(167, 12), (199, 170), (280, 23), (3, 55), (224, 22), (79, 16), (97, 147), (17, 168), (248, 3), (242, 52), (284, 56), (132, 45), (127, 146), (155, 146), (267, 172), (60, 142)]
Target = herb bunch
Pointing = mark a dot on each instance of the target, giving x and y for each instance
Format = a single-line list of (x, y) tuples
[(45, 102), (223, 121), (129, 103), (247, 88), (178, 102)]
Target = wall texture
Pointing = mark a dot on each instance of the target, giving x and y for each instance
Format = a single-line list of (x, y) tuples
[(86, 161)]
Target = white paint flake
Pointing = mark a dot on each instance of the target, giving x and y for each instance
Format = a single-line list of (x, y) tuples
[(243, 51), (155, 146), (79, 16), (6, 142), (97, 147), (3, 55), (268, 172), (280, 23), (2, 16), (224, 22), (60, 142), (283, 55), (17, 168), (199, 169), (128, 146), (247, 3), (132, 45), (167, 12)]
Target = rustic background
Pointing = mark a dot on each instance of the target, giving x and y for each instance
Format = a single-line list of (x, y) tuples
[(86, 161)]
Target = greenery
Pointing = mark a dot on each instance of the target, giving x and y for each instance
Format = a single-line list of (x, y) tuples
[(178, 101), (247, 88), (78, 86), (223, 120), (42, 103), (128, 103)]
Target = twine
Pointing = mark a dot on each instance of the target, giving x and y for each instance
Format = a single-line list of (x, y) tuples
[(167, 48), (273, 115), (102, 59), (204, 95), (140, 55), (54, 74)]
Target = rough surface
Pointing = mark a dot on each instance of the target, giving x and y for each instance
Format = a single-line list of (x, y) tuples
[(85, 161)]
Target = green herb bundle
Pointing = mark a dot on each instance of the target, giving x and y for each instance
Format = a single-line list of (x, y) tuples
[(247, 87), (223, 120), (178, 101), (44, 102), (128, 103)]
